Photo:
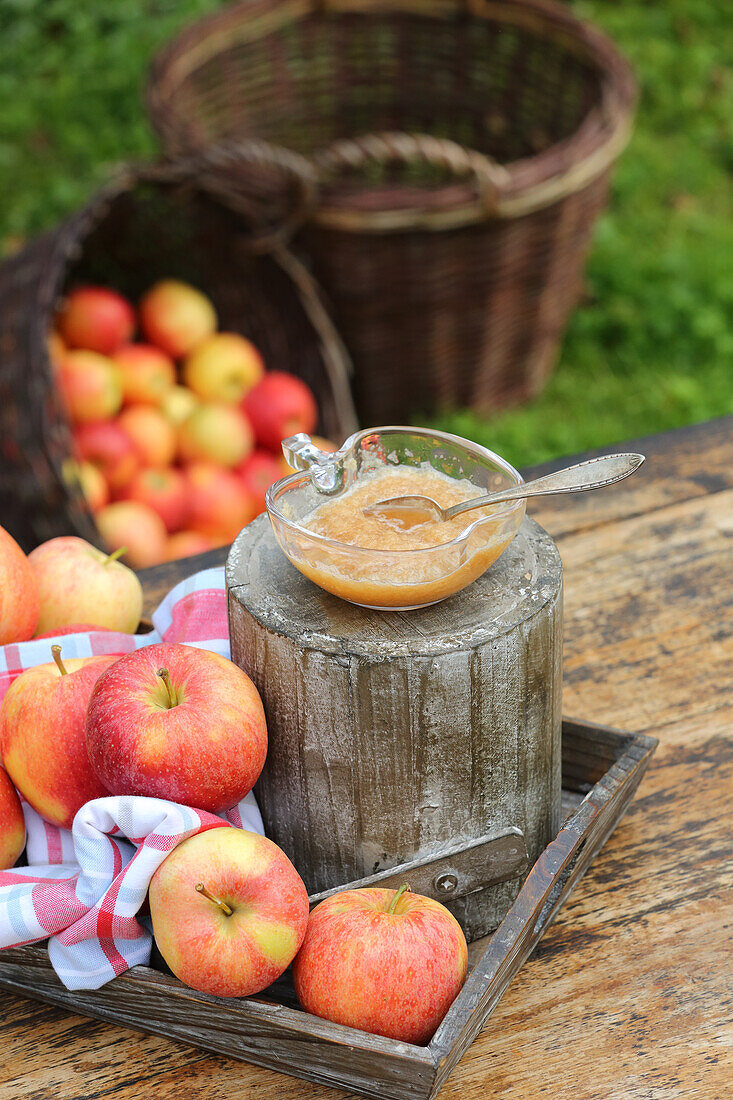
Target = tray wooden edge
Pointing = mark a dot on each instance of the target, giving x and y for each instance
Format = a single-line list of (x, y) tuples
[(548, 885), (287, 1039)]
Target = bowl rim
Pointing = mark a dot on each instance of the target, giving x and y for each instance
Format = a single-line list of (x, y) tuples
[(301, 476)]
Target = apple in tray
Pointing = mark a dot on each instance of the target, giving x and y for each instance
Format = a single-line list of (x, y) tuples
[(77, 583), (12, 823), (175, 722), (229, 912), (386, 961), (42, 720), (19, 601)]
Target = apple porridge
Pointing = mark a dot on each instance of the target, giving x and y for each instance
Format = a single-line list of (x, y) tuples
[(380, 562)]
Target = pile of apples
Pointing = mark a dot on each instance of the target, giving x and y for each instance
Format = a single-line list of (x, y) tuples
[(177, 434), (228, 908)]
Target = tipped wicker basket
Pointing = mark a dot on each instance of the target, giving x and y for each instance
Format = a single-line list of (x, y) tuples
[(153, 223), (463, 148)]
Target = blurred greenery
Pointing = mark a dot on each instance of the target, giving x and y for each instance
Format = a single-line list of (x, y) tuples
[(651, 346)]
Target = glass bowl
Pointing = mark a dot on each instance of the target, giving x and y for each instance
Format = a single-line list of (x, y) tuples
[(391, 580)]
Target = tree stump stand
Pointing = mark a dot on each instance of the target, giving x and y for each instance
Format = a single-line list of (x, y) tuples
[(426, 741)]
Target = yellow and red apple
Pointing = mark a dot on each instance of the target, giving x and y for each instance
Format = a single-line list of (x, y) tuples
[(42, 739), (146, 374), (12, 823), (97, 319), (175, 722), (176, 317), (223, 368), (217, 433), (90, 385), (19, 598), (229, 912), (184, 544), (137, 528), (151, 432), (77, 583), (386, 961)]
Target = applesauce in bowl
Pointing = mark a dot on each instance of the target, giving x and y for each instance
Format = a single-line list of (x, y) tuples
[(375, 562)]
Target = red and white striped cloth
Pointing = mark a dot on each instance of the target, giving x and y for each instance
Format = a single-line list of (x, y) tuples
[(84, 888)]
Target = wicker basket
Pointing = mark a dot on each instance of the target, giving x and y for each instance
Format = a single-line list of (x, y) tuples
[(464, 151), (152, 223)]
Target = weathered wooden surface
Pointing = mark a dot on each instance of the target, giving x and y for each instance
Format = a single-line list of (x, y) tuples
[(394, 734), (628, 997), (272, 1030)]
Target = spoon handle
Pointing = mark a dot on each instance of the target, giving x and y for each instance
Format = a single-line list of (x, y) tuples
[(591, 474)]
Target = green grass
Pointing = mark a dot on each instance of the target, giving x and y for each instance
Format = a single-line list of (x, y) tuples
[(651, 346)]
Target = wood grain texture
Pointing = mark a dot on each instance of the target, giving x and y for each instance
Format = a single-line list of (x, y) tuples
[(628, 996), (394, 735)]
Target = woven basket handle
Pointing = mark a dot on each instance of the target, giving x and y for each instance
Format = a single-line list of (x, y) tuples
[(215, 169), (402, 148)]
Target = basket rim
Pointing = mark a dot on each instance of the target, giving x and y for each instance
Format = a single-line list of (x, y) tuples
[(527, 184)]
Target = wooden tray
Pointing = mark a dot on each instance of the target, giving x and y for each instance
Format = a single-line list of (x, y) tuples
[(601, 770)]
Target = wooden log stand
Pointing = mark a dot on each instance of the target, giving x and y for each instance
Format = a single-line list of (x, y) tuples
[(428, 740)]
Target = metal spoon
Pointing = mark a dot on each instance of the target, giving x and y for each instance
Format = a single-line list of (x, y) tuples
[(592, 474)]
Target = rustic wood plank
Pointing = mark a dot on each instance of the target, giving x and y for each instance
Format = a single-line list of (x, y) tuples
[(684, 464), (252, 1030)]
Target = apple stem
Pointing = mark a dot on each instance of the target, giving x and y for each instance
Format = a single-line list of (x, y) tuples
[(404, 888), (165, 677), (222, 904), (115, 555), (56, 650)]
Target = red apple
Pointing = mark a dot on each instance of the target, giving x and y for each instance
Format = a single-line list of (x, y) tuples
[(151, 432), (77, 583), (42, 738), (223, 368), (165, 491), (108, 447), (89, 385), (184, 544), (258, 473), (12, 823), (146, 373), (178, 403), (386, 961), (278, 406), (220, 506), (97, 319), (229, 912), (215, 433), (137, 528), (176, 317), (175, 722), (19, 599)]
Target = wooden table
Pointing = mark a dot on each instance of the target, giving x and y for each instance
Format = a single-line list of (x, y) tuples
[(630, 994)]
